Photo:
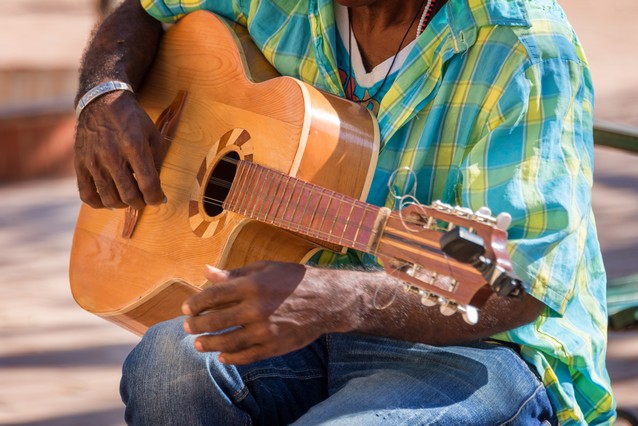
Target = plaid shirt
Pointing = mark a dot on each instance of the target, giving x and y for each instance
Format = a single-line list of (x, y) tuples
[(493, 107)]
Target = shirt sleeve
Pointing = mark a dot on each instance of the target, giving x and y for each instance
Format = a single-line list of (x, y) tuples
[(169, 11), (535, 162)]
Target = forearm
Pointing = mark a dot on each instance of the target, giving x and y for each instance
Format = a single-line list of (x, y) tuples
[(383, 308), (122, 48)]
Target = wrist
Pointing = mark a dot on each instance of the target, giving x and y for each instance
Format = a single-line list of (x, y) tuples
[(344, 300), (99, 91)]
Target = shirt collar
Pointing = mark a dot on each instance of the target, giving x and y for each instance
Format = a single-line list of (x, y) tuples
[(453, 33), (465, 17), (324, 39)]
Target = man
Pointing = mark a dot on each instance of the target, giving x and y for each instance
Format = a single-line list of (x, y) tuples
[(486, 103)]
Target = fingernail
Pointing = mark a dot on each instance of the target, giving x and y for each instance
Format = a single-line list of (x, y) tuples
[(187, 327), (222, 359), (186, 310), (212, 268)]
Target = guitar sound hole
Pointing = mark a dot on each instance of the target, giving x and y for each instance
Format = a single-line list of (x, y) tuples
[(219, 183)]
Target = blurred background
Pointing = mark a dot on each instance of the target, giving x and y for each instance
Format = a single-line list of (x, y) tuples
[(60, 365)]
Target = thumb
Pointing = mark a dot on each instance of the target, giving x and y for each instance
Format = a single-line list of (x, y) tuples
[(215, 275)]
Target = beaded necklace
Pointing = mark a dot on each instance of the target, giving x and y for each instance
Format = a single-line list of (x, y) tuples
[(425, 18)]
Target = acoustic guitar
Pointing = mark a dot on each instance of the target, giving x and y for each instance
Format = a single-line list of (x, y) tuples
[(258, 166)]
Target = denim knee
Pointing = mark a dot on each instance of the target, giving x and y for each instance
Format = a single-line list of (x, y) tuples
[(166, 381), (149, 368)]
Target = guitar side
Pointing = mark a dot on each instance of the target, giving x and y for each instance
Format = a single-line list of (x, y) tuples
[(279, 122)]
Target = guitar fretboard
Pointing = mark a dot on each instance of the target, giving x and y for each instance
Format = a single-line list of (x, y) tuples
[(289, 203)]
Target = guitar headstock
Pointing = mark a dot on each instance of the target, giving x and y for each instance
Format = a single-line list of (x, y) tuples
[(451, 256)]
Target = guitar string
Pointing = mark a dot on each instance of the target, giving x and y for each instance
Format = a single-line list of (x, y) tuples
[(319, 234), (291, 225), (227, 184), (296, 226)]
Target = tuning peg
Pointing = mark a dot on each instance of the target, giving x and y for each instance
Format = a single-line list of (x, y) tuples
[(463, 211), (470, 314), (428, 299), (411, 289), (441, 206), (448, 307), (507, 284), (484, 211), (462, 245), (503, 221)]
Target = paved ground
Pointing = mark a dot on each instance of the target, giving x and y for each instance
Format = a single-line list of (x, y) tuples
[(60, 365)]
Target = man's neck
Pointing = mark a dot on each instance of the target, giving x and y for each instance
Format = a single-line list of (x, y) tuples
[(380, 28)]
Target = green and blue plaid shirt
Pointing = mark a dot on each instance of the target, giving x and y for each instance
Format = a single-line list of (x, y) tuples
[(493, 107)]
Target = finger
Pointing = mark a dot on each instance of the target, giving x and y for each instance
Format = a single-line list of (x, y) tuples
[(215, 275), (222, 318), (248, 269), (248, 355), (146, 167), (86, 187), (127, 189), (213, 297), (107, 190), (233, 341)]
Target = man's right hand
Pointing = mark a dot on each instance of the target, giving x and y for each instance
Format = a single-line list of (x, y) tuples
[(117, 149)]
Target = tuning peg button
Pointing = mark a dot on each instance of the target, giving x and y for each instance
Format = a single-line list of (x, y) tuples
[(448, 308), (428, 299), (503, 221), (470, 314), (484, 211)]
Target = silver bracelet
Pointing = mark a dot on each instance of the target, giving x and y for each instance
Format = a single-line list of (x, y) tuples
[(99, 90)]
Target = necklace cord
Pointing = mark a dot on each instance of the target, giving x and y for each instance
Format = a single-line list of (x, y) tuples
[(351, 97)]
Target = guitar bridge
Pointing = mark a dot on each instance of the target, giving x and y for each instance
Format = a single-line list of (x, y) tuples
[(166, 124)]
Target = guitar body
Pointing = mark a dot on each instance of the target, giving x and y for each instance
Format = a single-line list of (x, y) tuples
[(235, 105)]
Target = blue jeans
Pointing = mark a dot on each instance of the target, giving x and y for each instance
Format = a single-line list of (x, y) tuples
[(340, 379)]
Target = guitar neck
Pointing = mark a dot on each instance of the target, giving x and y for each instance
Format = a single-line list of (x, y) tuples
[(289, 203)]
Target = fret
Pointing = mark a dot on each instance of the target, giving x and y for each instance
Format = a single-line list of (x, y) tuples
[(346, 225), (289, 203), (262, 199), (241, 208), (269, 217), (360, 225), (233, 202), (298, 215), (281, 197), (243, 201), (288, 195), (284, 197), (256, 202), (313, 201), (366, 227), (323, 216), (309, 191), (268, 200), (314, 213), (336, 216), (254, 190), (289, 214), (259, 202)]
